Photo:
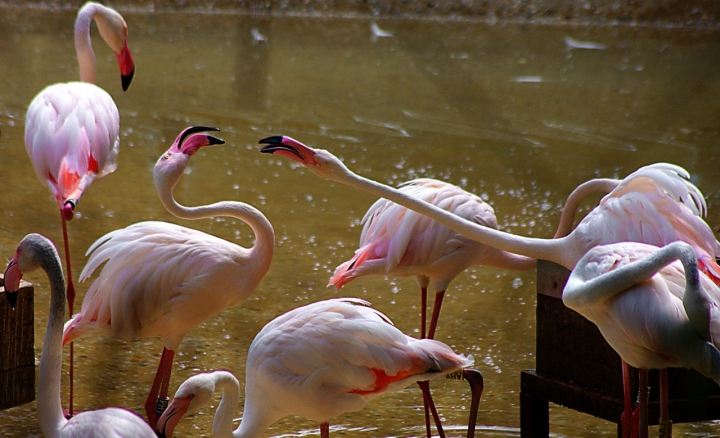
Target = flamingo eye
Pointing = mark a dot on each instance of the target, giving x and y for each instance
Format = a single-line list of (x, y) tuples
[(166, 156)]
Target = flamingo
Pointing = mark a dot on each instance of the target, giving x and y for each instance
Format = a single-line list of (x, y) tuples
[(655, 205), (655, 311), (37, 252), (162, 279), (318, 361), (72, 129)]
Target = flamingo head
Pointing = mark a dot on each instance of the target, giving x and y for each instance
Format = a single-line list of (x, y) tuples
[(26, 259), (194, 393), (114, 31), (170, 166), (319, 161)]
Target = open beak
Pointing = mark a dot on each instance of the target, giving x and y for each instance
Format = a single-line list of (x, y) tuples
[(288, 147), (192, 139), (171, 417), (12, 281)]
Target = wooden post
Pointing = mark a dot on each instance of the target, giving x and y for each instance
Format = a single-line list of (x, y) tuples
[(17, 355)]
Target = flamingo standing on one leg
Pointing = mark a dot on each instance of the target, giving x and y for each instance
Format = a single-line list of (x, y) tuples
[(318, 361), (37, 252), (162, 279), (654, 311), (398, 241), (72, 129), (655, 205)]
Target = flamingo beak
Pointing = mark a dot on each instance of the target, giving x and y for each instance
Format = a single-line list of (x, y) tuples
[(196, 141), (68, 209), (288, 147), (12, 280), (127, 66), (171, 417)]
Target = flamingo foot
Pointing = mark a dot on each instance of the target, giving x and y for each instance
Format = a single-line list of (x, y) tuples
[(630, 422)]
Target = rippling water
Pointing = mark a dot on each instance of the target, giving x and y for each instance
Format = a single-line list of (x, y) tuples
[(518, 114)]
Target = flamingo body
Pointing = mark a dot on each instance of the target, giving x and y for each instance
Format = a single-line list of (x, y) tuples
[(399, 241), (36, 251), (161, 280), (647, 323), (72, 138), (319, 361)]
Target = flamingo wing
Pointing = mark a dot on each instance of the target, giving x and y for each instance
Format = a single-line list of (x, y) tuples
[(72, 136), (160, 279), (107, 423), (335, 355), (398, 240)]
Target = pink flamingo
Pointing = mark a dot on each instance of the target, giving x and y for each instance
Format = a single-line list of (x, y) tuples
[(37, 252), (72, 129), (319, 361), (655, 205), (655, 311), (161, 279), (398, 241)]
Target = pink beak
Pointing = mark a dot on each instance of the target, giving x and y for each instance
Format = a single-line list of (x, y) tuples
[(127, 66)]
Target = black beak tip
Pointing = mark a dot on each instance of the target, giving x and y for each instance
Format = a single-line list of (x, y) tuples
[(126, 80), (214, 140), (275, 139), (12, 299)]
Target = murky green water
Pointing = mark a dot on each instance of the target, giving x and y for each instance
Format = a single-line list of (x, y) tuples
[(506, 111)]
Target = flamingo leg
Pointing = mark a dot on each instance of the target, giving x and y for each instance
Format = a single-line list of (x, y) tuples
[(475, 379), (427, 398), (325, 430), (436, 314), (643, 403), (70, 293), (665, 423), (157, 399), (629, 418), (423, 311)]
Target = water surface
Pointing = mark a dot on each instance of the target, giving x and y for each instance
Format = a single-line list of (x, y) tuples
[(514, 113)]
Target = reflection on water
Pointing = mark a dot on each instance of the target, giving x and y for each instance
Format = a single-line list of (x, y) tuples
[(509, 112)]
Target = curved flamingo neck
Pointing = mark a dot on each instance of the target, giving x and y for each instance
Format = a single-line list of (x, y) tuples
[(556, 250), (83, 45), (604, 185), (48, 399), (262, 250)]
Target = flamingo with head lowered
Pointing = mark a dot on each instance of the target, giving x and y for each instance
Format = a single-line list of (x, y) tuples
[(37, 252), (162, 279), (654, 307), (656, 204), (318, 362), (72, 129)]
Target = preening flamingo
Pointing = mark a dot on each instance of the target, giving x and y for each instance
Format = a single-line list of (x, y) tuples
[(162, 279), (654, 311), (656, 204), (72, 129), (318, 362), (37, 252)]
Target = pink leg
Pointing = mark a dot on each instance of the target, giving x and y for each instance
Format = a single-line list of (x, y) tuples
[(629, 418), (157, 399), (665, 423), (643, 403), (436, 314), (425, 387), (325, 430), (70, 293), (423, 325)]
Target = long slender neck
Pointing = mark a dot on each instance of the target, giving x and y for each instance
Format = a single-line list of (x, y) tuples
[(264, 246), (222, 424), (567, 217), (556, 250), (83, 46), (254, 423), (48, 399)]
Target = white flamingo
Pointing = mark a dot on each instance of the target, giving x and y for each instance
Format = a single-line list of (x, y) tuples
[(318, 362), (37, 252), (162, 279), (655, 311)]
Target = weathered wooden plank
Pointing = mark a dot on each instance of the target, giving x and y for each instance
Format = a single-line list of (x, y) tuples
[(17, 355)]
